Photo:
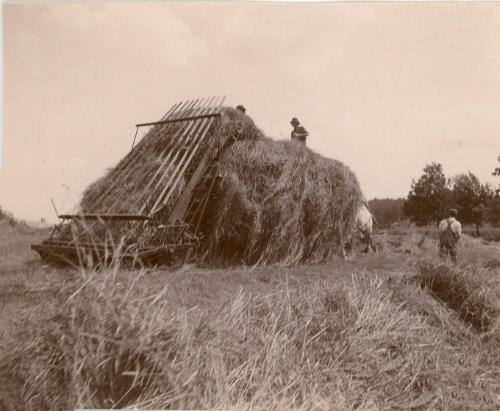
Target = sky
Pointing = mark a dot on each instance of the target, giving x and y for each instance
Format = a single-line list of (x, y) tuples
[(385, 88)]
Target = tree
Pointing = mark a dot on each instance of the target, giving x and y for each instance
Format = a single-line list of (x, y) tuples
[(494, 205), (471, 198), (494, 211), (428, 196), (496, 173)]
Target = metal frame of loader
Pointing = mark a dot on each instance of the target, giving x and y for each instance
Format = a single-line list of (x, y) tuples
[(187, 162)]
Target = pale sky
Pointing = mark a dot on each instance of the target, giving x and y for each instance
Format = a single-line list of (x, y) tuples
[(384, 88)]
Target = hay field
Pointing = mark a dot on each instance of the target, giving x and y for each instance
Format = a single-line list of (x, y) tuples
[(372, 332)]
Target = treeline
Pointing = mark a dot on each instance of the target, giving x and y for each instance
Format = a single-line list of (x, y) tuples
[(8, 217), (4, 215), (433, 194), (387, 210)]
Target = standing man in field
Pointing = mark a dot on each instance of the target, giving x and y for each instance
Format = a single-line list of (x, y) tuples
[(450, 231), (299, 133)]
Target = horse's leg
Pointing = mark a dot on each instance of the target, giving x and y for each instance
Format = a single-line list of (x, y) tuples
[(366, 241), (347, 246), (371, 245)]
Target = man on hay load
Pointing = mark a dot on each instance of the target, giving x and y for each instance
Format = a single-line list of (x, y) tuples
[(299, 133), (450, 231)]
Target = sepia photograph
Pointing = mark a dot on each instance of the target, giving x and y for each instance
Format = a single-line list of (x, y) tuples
[(250, 205)]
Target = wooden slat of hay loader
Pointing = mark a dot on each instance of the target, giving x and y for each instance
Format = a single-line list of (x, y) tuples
[(167, 210)]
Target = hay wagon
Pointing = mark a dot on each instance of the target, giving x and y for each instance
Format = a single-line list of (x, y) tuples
[(151, 207)]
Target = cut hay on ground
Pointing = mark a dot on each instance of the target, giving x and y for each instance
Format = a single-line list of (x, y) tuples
[(371, 345), (277, 201), (470, 292)]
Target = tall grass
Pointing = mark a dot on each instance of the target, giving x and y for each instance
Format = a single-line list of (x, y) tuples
[(109, 341)]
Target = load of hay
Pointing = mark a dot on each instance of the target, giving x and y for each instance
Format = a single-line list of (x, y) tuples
[(124, 187), (277, 201)]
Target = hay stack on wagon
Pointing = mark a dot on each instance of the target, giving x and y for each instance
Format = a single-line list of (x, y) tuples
[(277, 201)]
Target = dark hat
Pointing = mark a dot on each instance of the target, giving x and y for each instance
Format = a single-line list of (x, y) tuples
[(294, 121), (453, 212), (241, 108)]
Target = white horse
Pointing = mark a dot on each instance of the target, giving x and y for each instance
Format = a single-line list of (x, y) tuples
[(364, 227)]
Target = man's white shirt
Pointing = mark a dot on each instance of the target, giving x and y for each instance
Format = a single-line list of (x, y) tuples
[(456, 227)]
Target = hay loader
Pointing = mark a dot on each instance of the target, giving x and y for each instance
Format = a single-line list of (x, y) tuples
[(167, 182)]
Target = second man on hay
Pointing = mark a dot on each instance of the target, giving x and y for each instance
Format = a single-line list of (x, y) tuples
[(299, 133)]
